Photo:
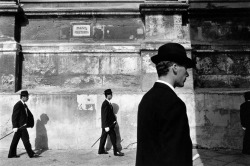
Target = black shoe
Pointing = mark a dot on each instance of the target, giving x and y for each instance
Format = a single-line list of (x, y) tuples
[(35, 155), (16, 156), (119, 154), (104, 152)]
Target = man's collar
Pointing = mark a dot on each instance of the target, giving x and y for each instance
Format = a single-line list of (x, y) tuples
[(168, 84), (22, 101), (108, 100)]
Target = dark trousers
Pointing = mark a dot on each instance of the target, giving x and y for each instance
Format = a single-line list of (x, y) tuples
[(24, 135), (246, 142), (112, 136), (118, 139)]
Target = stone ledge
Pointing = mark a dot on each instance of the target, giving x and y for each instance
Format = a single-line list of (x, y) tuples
[(220, 91), (202, 48), (9, 47), (77, 48), (219, 8), (8, 7), (55, 8), (95, 47), (163, 7)]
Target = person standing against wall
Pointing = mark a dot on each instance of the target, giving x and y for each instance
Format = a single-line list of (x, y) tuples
[(245, 122), (22, 118), (108, 119), (163, 134)]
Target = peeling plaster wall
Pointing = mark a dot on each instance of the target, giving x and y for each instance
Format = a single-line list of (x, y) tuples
[(219, 33), (167, 28), (74, 120), (7, 71), (8, 48), (221, 48), (218, 120), (102, 29), (223, 70), (82, 71)]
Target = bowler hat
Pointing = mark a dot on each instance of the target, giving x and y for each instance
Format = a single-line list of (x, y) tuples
[(107, 92), (173, 52), (247, 95), (24, 93)]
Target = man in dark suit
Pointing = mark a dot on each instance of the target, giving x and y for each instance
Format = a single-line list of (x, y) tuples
[(163, 136), (108, 124), (22, 118), (245, 122)]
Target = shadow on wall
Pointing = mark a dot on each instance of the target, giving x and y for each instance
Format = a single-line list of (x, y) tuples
[(41, 141), (218, 129), (117, 131)]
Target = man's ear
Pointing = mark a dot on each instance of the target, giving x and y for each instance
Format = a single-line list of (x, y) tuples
[(175, 68)]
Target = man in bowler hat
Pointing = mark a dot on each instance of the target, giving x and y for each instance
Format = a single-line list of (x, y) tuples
[(245, 122), (22, 118), (163, 136), (108, 124)]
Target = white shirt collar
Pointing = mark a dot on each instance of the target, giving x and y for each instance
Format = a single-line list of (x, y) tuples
[(166, 83), (22, 101), (108, 101)]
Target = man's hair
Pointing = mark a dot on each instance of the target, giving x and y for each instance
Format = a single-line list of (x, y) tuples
[(163, 67), (23, 96), (107, 94)]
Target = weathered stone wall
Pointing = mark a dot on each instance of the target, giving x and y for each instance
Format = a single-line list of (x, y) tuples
[(221, 48), (88, 70), (223, 70), (74, 120), (8, 51), (102, 29), (8, 46), (219, 34), (218, 120)]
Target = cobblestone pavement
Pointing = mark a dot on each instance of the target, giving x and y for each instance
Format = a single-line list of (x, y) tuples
[(90, 157)]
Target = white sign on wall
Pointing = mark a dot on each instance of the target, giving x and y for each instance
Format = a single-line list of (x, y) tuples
[(81, 30)]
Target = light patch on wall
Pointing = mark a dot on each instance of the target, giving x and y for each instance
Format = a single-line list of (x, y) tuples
[(86, 102), (140, 31)]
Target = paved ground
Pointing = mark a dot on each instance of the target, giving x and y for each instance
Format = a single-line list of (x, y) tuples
[(91, 158)]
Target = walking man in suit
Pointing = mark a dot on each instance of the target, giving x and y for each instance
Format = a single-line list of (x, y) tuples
[(108, 124), (163, 136), (245, 122), (22, 118)]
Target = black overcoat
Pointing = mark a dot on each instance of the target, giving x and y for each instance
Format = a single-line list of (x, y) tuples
[(245, 122), (19, 116), (163, 135), (107, 114)]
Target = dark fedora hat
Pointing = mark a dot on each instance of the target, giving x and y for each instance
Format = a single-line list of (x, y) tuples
[(24, 93), (107, 92), (173, 52)]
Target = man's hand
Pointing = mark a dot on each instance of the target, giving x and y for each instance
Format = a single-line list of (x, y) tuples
[(15, 129), (107, 129)]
